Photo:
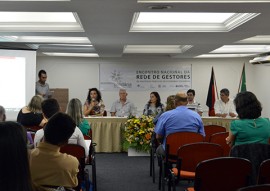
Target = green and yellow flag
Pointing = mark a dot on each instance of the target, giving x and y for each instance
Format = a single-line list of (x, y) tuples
[(242, 84)]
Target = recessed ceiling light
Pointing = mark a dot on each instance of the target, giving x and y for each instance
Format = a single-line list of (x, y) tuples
[(156, 49), (71, 54), (188, 22), (44, 39), (40, 22), (256, 39), (242, 49), (203, 1), (223, 55)]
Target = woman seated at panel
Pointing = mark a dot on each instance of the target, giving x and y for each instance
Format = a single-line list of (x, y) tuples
[(74, 110), (169, 106), (94, 104), (250, 128), (154, 106), (14, 164), (31, 115)]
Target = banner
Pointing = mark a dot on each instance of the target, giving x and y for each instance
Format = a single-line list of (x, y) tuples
[(145, 77)]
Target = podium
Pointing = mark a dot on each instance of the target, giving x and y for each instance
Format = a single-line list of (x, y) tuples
[(61, 95)]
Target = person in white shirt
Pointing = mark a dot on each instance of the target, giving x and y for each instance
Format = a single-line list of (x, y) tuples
[(122, 107), (225, 107), (49, 108), (192, 104)]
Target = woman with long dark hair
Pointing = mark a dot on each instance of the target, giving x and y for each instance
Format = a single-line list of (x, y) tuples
[(251, 127), (154, 106), (93, 104)]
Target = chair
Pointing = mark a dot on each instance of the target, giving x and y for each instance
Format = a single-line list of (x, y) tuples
[(189, 156), (256, 153), (264, 172), (262, 187), (173, 142), (212, 129), (220, 138), (78, 152), (154, 145), (222, 174), (33, 128)]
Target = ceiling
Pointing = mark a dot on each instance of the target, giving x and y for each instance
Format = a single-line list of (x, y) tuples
[(107, 23)]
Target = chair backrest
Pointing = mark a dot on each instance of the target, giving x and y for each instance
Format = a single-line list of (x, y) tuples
[(191, 155), (264, 172), (263, 187), (176, 140), (222, 174), (220, 138), (256, 153), (212, 129)]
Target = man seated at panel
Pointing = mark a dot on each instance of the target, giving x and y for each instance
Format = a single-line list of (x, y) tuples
[(225, 106), (192, 104), (49, 167), (2, 113), (122, 107), (49, 108), (180, 119)]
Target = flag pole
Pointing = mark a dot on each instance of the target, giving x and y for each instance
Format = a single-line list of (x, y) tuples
[(241, 77)]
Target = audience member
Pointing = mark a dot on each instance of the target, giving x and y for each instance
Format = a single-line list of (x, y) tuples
[(2, 113), (42, 88), (49, 108), (180, 119), (192, 104), (31, 115), (14, 164), (122, 107), (49, 167), (170, 105), (154, 106), (74, 110), (225, 106), (250, 128), (93, 104)]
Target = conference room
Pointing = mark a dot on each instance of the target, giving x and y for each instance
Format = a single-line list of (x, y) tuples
[(86, 44)]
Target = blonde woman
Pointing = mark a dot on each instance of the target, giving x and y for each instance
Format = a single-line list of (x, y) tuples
[(74, 110), (31, 115)]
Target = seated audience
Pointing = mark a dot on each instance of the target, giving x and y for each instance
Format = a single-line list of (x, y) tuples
[(170, 105), (49, 167), (14, 164), (123, 107), (225, 106), (49, 108), (94, 104), (154, 106), (31, 115), (74, 110), (2, 113), (192, 104), (180, 119), (251, 127)]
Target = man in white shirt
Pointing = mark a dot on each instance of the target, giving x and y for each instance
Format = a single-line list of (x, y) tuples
[(225, 107), (192, 104), (122, 107)]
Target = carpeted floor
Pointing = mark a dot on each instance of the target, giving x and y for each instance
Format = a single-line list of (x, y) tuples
[(118, 172)]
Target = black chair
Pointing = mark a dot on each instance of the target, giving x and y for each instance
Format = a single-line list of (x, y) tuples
[(256, 153), (154, 145), (262, 187), (264, 172)]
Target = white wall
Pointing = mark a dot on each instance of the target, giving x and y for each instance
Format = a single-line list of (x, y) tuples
[(80, 74)]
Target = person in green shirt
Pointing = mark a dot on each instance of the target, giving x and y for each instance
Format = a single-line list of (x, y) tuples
[(251, 127), (74, 110)]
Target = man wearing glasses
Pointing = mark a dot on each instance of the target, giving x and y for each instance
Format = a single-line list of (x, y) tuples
[(225, 106)]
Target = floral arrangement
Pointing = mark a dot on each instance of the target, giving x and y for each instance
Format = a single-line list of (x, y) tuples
[(138, 133)]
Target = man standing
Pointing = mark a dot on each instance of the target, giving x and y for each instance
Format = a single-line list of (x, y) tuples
[(42, 88), (192, 104), (225, 106), (50, 167), (180, 119), (123, 106)]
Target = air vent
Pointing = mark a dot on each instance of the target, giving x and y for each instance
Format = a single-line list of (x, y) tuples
[(159, 7)]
